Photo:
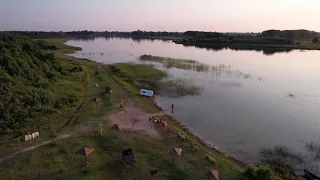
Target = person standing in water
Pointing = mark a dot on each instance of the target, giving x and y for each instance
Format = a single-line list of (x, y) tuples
[(172, 108)]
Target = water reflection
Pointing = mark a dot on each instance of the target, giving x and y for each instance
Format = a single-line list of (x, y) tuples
[(213, 47), (264, 50), (235, 105)]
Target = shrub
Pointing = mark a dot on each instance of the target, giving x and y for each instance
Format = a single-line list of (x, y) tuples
[(260, 172)]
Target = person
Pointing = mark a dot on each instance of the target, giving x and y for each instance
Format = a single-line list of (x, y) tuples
[(172, 108)]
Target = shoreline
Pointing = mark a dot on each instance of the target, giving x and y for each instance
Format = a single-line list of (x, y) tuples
[(198, 138), (202, 141), (194, 136)]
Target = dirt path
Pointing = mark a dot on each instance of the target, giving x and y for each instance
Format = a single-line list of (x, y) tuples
[(33, 147)]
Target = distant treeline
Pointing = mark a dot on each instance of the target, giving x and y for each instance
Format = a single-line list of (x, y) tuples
[(269, 37), (52, 34)]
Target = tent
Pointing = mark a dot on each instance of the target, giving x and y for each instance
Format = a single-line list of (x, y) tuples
[(116, 128), (108, 90), (210, 175), (175, 152), (96, 99), (85, 152), (145, 92)]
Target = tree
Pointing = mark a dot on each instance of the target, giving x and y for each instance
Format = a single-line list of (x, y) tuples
[(315, 40), (260, 172), (100, 127)]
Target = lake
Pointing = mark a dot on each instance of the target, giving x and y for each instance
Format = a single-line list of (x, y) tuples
[(259, 100)]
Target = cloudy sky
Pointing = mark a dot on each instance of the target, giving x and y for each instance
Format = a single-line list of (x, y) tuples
[(159, 15)]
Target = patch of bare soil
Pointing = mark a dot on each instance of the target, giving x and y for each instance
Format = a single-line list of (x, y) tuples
[(133, 117)]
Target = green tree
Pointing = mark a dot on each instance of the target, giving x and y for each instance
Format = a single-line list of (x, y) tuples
[(315, 40), (100, 128), (260, 172)]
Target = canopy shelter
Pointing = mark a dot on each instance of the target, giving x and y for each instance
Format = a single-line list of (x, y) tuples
[(85, 152), (96, 100), (210, 175), (108, 90), (116, 128), (127, 156), (175, 152)]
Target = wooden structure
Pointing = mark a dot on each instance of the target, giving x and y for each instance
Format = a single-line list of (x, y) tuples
[(127, 156), (85, 152), (175, 152), (116, 128), (108, 90), (309, 176), (210, 175), (96, 100)]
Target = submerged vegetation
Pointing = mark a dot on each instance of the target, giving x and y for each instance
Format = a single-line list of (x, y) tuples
[(168, 63), (179, 88), (138, 75), (146, 76)]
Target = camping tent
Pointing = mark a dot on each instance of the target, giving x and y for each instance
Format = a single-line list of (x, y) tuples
[(145, 92)]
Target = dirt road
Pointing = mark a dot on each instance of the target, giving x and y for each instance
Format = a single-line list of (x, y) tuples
[(33, 147)]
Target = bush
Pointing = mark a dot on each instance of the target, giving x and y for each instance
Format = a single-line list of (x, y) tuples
[(315, 40), (53, 133), (260, 172)]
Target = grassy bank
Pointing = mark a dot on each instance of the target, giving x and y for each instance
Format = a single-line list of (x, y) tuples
[(85, 121)]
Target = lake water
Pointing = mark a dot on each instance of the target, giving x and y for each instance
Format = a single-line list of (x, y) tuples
[(259, 101)]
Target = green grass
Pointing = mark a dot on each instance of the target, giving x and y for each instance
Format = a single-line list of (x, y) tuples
[(58, 161), (63, 48)]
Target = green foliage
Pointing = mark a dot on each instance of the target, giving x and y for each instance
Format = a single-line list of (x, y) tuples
[(260, 172), (44, 45), (100, 75), (315, 40), (53, 133), (291, 34), (282, 160), (140, 75), (27, 75)]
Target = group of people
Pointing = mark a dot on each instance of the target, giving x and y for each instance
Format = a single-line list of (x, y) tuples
[(158, 121)]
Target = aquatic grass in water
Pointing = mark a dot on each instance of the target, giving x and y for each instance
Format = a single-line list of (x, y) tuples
[(185, 64), (179, 88)]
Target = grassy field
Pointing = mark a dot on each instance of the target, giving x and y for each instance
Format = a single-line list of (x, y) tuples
[(59, 161)]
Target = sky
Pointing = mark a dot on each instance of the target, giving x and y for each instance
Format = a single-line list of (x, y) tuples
[(159, 15)]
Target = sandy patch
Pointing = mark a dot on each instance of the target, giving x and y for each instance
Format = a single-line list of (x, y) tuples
[(133, 117)]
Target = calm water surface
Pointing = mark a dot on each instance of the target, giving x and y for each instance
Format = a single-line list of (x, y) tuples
[(278, 104)]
